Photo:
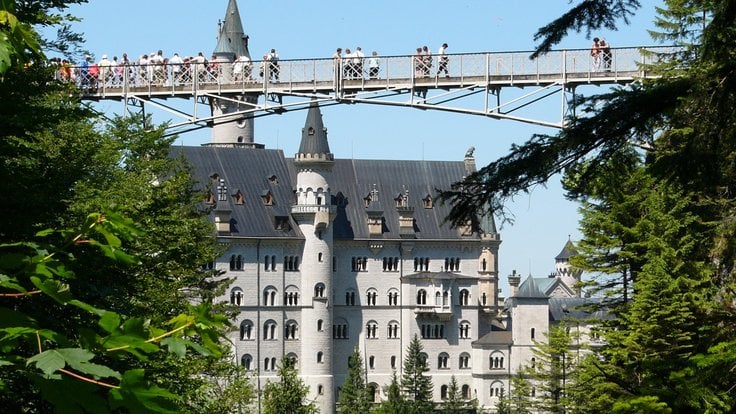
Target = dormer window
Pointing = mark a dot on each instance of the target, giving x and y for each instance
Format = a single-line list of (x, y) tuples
[(427, 201), (401, 200), (239, 198), (209, 198), (267, 198), (273, 179), (281, 223), (310, 131), (367, 201)]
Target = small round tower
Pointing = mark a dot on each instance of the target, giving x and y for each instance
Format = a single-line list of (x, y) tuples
[(569, 274)]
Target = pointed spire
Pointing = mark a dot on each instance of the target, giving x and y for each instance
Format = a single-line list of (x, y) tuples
[(567, 252), (529, 289), (314, 133), (231, 40)]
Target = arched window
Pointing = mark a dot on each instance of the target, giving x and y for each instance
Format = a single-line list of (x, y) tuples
[(496, 360), (273, 263), (393, 330), (465, 391), (236, 296), (464, 297), (465, 330), (246, 361), (291, 296), (269, 330), (532, 333), (291, 330), (371, 362), (422, 297), (464, 362), (320, 357), (437, 299), (340, 329), (371, 297), (393, 361), (269, 296), (442, 360), (246, 330), (266, 263), (320, 325), (393, 297), (319, 290), (373, 392), (371, 330), (443, 392), (350, 297), (293, 360), (446, 298)]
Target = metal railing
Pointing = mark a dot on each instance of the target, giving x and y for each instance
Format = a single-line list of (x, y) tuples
[(354, 73)]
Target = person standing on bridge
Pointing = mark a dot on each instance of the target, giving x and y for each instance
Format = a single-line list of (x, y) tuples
[(605, 54), (273, 58), (442, 61), (373, 65), (418, 63), (427, 60), (358, 62), (595, 53), (337, 63)]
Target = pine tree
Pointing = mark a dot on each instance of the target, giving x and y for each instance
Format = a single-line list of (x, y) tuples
[(552, 371), (395, 402), (289, 394), (416, 386), (520, 397), (354, 394), (454, 403)]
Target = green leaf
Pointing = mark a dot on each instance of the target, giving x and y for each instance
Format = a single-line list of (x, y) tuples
[(57, 290), (12, 318), (136, 395), (176, 346), (48, 361), (109, 321)]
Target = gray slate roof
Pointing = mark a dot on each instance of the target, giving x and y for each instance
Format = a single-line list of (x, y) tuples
[(249, 169), (495, 338), (232, 39), (529, 289), (567, 252), (314, 133), (576, 309)]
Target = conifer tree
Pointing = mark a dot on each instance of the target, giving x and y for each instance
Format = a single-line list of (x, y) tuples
[(395, 402), (417, 387), (552, 371), (454, 403), (354, 394), (519, 399), (289, 394)]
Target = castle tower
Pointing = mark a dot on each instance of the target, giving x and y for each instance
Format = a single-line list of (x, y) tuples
[(314, 213), (232, 42), (569, 274)]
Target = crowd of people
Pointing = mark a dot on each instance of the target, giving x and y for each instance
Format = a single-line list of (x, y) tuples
[(158, 70), (155, 69)]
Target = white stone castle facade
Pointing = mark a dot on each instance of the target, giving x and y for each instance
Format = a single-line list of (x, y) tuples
[(331, 254)]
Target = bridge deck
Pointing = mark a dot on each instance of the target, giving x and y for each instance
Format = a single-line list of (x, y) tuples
[(492, 69)]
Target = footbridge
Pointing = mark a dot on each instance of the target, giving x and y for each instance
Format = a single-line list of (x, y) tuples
[(492, 84)]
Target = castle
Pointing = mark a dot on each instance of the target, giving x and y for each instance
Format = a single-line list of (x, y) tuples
[(330, 254)]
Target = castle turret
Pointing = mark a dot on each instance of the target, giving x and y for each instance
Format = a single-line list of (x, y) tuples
[(314, 213), (232, 44), (569, 274)]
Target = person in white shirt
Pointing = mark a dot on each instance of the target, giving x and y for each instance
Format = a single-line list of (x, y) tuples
[(358, 62), (442, 61), (373, 65), (177, 67), (105, 72), (241, 68)]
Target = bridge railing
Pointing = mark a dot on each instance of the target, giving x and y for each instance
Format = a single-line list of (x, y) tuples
[(394, 71)]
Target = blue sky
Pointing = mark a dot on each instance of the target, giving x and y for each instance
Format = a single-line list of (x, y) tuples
[(310, 29)]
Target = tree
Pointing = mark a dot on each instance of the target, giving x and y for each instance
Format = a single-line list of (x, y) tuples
[(454, 403), (416, 386), (676, 253), (519, 398), (552, 371), (395, 402), (289, 394), (354, 394)]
